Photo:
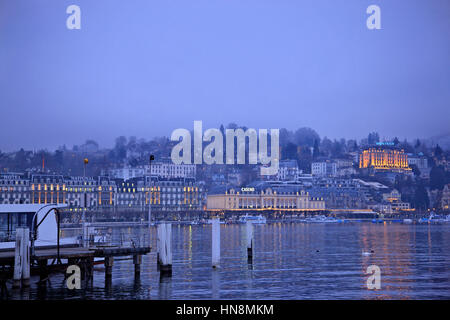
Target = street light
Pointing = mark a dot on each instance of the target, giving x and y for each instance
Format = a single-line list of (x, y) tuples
[(85, 161), (152, 157)]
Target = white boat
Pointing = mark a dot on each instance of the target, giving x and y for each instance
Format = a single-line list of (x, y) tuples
[(209, 221), (407, 221), (435, 218), (254, 219), (423, 220), (40, 219), (322, 219)]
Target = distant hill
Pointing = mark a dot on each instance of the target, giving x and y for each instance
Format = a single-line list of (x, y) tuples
[(442, 140)]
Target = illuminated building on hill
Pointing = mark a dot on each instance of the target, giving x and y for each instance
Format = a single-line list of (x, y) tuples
[(384, 157)]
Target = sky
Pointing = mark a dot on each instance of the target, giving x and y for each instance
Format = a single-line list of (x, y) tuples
[(147, 67)]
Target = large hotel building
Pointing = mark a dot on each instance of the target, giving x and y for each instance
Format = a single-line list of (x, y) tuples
[(381, 158), (103, 193)]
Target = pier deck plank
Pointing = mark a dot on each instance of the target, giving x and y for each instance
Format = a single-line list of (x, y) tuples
[(120, 251), (77, 252)]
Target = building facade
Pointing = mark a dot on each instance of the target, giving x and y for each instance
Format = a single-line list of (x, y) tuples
[(103, 194), (165, 195), (14, 188), (269, 198), (324, 168), (419, 160), (445, 199), (167, 170), (288, 170), (384, 158), (341, 193)]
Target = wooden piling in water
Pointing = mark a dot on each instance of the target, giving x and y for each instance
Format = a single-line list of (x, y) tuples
[(18, 260), (43, 271), (85, 234), (165, 247), (90, 264), (25, 257), (109, 262), (215, 233), (137, 261), (250, 241), (158, 246)]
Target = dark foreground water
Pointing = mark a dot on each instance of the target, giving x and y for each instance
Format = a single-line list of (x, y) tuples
[(292, 261)]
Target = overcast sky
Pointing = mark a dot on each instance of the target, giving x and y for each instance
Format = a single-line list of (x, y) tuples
[(147, 67)]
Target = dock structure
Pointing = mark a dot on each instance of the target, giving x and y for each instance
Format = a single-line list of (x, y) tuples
[(164, 248), (45, 261), (250, 240), (215, 245), (38, 249), (22, 259)]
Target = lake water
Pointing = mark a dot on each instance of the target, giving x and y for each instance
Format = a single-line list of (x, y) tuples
[(291, 261)]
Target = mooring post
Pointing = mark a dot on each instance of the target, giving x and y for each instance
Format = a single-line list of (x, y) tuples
[(166, 249), (91, 235), (215, 242), (85, 234), (26, 258), (141, 239), (158, 245), (137, 260), (18, 260), (215, 285), (43, 272), (165, 284), (250, 241), (109, 261), (90, 261), (83, 269)]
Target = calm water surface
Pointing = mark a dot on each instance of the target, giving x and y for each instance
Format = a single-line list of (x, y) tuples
[(291, 261)]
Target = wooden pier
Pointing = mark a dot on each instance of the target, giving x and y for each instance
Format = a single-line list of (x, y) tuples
[(49, 260)]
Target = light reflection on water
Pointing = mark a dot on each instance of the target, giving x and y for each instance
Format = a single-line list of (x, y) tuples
[(291, 261)]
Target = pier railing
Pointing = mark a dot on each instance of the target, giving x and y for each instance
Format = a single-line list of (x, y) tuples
[(89, 235)]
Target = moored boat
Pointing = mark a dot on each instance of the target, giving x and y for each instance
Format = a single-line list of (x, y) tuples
[(322, 219), (254, 219), (40, 219)]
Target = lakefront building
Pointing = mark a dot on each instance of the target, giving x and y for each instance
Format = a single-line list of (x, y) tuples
[(392, 203), (104, 195), (288, 198), (14, 188), (164, 195), (445, 199), (77, 192)]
